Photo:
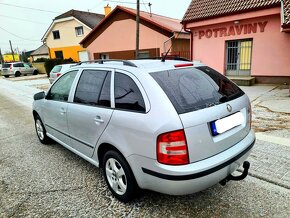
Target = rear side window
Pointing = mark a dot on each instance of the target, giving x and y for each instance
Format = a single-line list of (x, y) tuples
[(127, 94), (192, 89), (94, 88), (56, 69), (18, 65)]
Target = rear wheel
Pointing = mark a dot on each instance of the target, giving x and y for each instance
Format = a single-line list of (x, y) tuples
[(6, 76), (35, 72), (41, 132), (17, 74), (119, 177)]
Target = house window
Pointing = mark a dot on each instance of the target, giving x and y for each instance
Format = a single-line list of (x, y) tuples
[(104, 56), (58, 54), (239, 57), (56, 34), (79, 31)]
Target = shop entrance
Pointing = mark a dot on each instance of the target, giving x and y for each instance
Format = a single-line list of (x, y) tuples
[(239, 57)]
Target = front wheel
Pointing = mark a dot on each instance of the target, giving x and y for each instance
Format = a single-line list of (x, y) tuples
[(119, 177), (41, 132)]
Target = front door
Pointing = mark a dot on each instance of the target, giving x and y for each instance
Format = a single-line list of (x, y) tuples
[(55, 107), (238, 57), (90, 112)]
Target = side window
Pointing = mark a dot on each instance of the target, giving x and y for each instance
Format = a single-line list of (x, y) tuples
[(94, 88), (127, 94), (60, 90), (18, 65)]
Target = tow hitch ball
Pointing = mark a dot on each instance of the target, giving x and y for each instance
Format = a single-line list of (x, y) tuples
[(246, 166)]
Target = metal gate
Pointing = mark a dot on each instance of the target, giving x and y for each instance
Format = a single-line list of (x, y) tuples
[(238, 57)]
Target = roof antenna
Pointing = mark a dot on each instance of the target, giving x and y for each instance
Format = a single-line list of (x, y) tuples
[(164, 57), (149, 4)]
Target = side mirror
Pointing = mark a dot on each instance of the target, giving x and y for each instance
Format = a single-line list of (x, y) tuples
[(39, 96)]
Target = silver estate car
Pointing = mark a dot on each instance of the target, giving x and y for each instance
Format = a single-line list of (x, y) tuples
[(170, 126), (17, 69), (57, 70)]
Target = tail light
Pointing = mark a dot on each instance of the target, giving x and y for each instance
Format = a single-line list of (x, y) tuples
[(172, 148), (58, 74), (10, 67)]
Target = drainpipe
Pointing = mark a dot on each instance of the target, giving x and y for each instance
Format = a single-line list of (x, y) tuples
[(191, 41), (282, 13), (164, 48)]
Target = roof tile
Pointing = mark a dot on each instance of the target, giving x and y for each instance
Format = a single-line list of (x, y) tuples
[(89, 19), (205, 9)]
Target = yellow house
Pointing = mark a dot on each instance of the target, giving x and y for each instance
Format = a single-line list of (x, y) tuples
[(66, 31)]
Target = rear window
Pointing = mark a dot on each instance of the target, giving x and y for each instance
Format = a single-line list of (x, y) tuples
[(6, 65), (191, 89), (56, 69)]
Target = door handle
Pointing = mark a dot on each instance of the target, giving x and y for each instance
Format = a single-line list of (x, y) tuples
[(62, 111), (99, 119)]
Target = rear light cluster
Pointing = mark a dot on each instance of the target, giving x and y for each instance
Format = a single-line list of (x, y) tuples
[(58, 74), (172, 148)]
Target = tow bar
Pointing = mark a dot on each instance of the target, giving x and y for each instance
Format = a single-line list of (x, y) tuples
[(246, 166)]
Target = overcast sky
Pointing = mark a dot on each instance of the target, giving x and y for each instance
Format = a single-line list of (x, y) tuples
[(25, 27)]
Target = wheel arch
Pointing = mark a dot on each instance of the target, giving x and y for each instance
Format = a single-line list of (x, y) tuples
[(103, 148)]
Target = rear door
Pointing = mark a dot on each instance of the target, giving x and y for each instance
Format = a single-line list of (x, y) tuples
[(90, 112), (204, 98)]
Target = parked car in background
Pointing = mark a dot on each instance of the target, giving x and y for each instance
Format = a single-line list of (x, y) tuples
[(173, 127), (17, 69), (57, 70)]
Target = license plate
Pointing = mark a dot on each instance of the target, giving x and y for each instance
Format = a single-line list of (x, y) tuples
[(227, 123)]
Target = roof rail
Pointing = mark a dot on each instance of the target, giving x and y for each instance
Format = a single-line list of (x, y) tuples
[(101, 61), (175, 58)]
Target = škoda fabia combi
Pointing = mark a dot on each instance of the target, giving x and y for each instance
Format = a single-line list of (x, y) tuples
[(170, 126)]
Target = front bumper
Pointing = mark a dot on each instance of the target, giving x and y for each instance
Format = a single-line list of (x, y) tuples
[(194, 177)]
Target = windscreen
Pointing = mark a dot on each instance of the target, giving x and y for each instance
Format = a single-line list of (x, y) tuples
[(6, 65), (191, 89)]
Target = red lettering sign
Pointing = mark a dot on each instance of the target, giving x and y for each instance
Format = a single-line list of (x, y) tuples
[(233, 30)]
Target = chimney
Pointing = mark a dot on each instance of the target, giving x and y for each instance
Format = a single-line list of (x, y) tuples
[(107, 10)]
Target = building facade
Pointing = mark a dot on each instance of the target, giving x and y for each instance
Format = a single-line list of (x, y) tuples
[(245, 38), (66, 31), (115, 36)]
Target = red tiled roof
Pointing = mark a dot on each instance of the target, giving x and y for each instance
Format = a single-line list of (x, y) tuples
[(205, 9), (171, 24), (286, 5), (166, 23)]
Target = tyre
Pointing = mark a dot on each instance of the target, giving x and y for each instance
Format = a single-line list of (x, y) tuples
[(6, 76), (35, 72), (119, 176), (17, 74), (41, 132)]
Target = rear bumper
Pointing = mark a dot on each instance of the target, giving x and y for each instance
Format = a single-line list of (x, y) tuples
[(187, 179), (5, 73)]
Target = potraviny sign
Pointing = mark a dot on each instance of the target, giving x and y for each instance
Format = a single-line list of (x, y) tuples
[(233, 30)]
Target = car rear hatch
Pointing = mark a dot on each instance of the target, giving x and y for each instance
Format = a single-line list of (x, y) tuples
[(55, 72), (214, 111), (6, 67)]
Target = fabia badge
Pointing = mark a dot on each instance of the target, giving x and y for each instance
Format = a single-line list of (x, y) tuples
[(229, 108)]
